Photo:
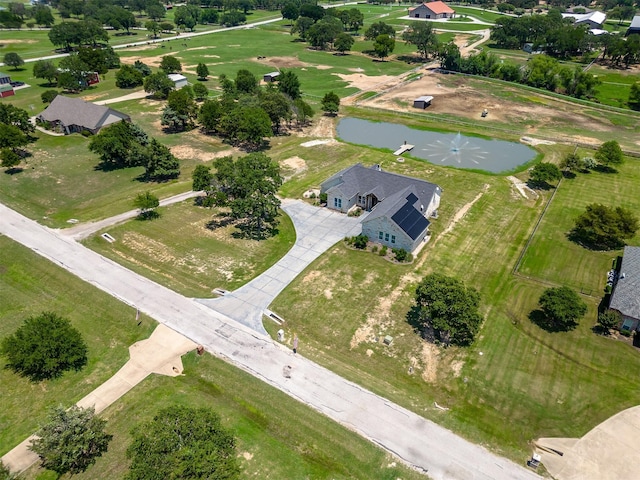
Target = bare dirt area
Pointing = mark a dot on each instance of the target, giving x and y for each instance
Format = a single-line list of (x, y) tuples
[(186, 152), (289, 62), (151, 61), (459, 96), (323, 127), (366, 82)]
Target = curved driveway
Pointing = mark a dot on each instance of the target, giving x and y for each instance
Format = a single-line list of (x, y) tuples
[(415, 440), (317, 229)]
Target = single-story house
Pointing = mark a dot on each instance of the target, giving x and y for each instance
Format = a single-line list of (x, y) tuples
[(399, 206), (271, 77), (432, 10), (593, 19), (4, 79), (6, 90), (422, 102), (70, 115), (178, 80), (634, 28), (626, 292)]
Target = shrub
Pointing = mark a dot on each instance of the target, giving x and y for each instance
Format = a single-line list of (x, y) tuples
[(383, 251), (86, 133), (607, 320), (323, 198), (48, 96), (374, 249), (401, 255), (360, 242)]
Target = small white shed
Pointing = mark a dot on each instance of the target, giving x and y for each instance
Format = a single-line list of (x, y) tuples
[(178, 80), (271, 77)]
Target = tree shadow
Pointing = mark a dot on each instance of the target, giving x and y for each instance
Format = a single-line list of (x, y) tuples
[(539, 185), (541, 320), (578, 237), (569, 175), (410, 59), (220, 220), (604, 169), (147, 215), (414, 320), (14, 170)]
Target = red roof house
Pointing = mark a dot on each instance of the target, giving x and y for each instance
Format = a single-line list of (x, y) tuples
[(432, 10)]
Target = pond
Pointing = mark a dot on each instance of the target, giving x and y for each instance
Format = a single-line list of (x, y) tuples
[(451, 149)]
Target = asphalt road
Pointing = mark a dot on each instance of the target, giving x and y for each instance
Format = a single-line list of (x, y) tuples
[(415, 440)]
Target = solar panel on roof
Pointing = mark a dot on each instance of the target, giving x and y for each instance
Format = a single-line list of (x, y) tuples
[(410, 220)]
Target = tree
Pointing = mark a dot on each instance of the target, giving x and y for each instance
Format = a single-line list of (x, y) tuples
[(209, 16), (379, 28), (180, 112), (170, 64), (356, 19), (147, 203), (118, 18), (119, 145), (202, 71), (343, 42), (71, 440), (45, 69), (571, 162), (10, 159), (142, 68), (183, 442), (302, 111), (74, 73), (186, 16), (5, 474), (14, 60), (18, 117), (128, 77), (330, 103), (609, 153), (289, 84), (12, 137), (156, 11), (161, 164), (562, 308), (290, 11), (210, 113), (634, 96), (43, 16), (158, 85), (153, 27), (302, 26), (200, 91), (608, 320), (543, 173), (249, 186), (44, 347), (422, 35), (233, 18), (446, 310), (604, 228), (65, 34), (383, 46), (202, 177), (324, 32), (277, 106), (246, 82)]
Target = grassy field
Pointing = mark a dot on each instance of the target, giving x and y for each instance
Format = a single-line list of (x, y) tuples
[(30, 285), (277, 437), (546, 384), (552, 257), (179, 251)]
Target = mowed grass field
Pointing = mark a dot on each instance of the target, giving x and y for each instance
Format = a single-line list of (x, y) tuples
[(181, 252), (30, 285), (277, 436), (545, 384), (552, 257)]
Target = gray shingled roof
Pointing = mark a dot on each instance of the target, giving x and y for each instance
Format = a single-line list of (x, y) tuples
[(360, 180), (626, 294), (403, 199), (73, 111), (635, 23)]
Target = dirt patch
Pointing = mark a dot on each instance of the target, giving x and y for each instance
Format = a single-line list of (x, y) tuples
[(456, 367), (365, 82), (323, 127), (328, 294), (185, 152), (295, 163), (247, 455), (461, 40), (430, 357), (141, 48), (283, 62), (311, 276), (16, 41), (462, 97), (150, 61), (200, 48), (522, 187)]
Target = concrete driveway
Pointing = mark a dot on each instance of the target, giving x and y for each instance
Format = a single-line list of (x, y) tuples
[(317, 229)]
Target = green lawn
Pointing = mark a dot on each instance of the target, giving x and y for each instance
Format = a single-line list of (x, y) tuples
[(179, 251), (552, 257), (30, 285), (559, 384), (277, 437)]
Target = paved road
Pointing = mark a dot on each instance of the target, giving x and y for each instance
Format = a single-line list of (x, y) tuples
[(317, 229), (413, 439), (83, 230)]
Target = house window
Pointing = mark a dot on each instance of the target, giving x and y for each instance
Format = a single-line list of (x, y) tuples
[(386, 237), (417, 15), (379, 235), (360, 199), (393, 239), (337, 202)]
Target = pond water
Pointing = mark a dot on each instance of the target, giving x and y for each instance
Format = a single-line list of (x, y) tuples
[(451, 149)]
